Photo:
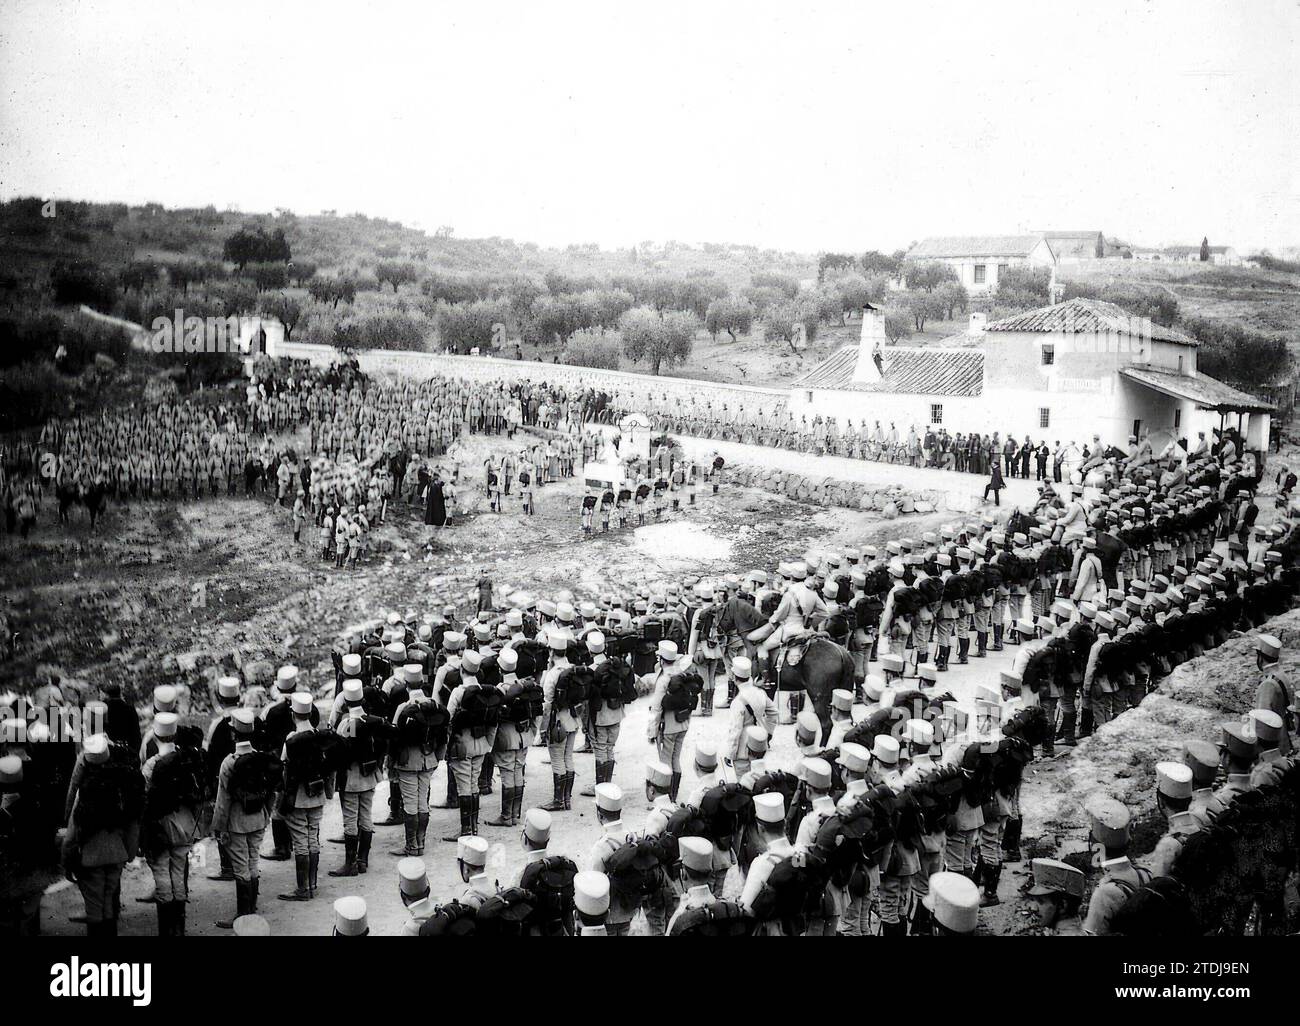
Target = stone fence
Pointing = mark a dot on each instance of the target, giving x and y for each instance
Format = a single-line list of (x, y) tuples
[(631, 388)]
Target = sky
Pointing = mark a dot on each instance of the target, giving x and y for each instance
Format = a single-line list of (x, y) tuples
[(810, 126)]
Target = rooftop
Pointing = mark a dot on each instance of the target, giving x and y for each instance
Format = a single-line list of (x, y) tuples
[(1084, 316), (1207, 392), (974, 245), (928, 370)]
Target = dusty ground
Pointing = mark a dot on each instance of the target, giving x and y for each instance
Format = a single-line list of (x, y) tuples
[(166, 593)]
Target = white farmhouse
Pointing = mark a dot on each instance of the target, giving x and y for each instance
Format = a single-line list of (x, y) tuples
[(1059, 373), (980, 260)]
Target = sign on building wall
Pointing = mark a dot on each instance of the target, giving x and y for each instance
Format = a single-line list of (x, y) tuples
[(1093, 386)]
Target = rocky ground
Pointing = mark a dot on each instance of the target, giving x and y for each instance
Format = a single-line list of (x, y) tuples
[(166, 593)]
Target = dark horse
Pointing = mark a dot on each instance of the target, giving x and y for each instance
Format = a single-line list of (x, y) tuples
[(824, 667), (94, 497)]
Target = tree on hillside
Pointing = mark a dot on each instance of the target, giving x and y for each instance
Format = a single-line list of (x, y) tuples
[(793, 322), (922, 306), (138, 275), (833, 262), (659, 341), (268, 276), (854, 292), (927, 275), (285, 309), (784, 283), (1205, 249), (875, 262), (256, 246), (732, 315), (396, 273)]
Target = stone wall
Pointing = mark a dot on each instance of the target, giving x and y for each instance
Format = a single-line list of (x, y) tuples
[(889, 501)]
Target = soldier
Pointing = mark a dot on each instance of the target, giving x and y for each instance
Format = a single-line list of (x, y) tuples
[(591, 903), (769, 818), (696, 871), (1273, 691), (516, 731), (246, 785), (350, 917), (416, 894), (474, 709), (174, 793), (308, 785), (471, 861), (105, 802), (420, 733), (277, 723), (560, 718), (954, 905), (1109, 822), (614, 688), (670, 713), (164, 700), (1058, 891), (365, 739)]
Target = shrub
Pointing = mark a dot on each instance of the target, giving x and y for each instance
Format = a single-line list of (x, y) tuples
[(592, 347)]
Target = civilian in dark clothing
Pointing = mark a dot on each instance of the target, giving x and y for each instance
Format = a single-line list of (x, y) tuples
[(995, 485), (121, 721)]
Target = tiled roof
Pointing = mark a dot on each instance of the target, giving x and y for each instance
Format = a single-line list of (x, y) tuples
[(1080, 315), (1203, 390), (974, 246), (925, 370)]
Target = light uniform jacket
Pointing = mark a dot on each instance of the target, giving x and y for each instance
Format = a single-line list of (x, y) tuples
[(302, 800), (659, 721), (509, 738), (412, 758), (230, 815), (464, 742), (356, 780), (750, 707), (564, 719), (698, 896), (603, 715), (1120, 878)]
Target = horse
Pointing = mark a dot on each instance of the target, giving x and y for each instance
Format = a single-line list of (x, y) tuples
[(94, 497), (824, 667)]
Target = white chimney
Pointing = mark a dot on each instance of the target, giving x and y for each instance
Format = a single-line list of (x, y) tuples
[(978, 319), (871, 346)]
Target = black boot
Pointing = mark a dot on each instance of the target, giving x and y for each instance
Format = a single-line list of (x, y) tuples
[(226, 872), (991, 876), (981, 644), (453, 799), (363, 850), (898, 929), (1011, 840), (1085, 722), (466, 821), (410, 849), (473, 814), (556, 804), (922, 922), (282, 845), (941, 658), (569, 779), (517, 806), (313, 866), (241, 906), (963, 650), (349, 867), (254, 888), (421, 828), (302, 872), (178, 919), (673, 787), (164, 910), (394, 806), (1065, 735), (997, 637), (485, 775), (706, 702), (506, 819)]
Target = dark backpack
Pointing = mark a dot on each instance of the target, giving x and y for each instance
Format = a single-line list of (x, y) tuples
[(453, 919), (634, 869), (254, 778), (524, 702), (422, 725), (867, 611), (727, 809), (907, 601), (615, 684), (719, 919), (111, 795), (682, 694), (791, 893), (177, 782), (572, 688), (479, 711), (505, 914), (550, 881)]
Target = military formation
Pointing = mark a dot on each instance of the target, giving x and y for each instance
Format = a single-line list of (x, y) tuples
[(897, 814)]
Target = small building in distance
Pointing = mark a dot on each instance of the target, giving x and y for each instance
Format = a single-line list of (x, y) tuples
[(1075, 247), (1064, 372), (980, 260), (1222, 256)]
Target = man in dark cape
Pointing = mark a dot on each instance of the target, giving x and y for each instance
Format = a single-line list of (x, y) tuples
[(435, 510)]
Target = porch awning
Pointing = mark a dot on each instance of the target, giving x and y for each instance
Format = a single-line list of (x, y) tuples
[(1206, 392)]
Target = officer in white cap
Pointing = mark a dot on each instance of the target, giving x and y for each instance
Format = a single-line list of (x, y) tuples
[(309, 784), (100, 841), (769, 820), (668, 722), (591, 903), (414, 890), (516, 732), (561, 718), (350, 917), (696, 872), (750, 708), (954, 904)]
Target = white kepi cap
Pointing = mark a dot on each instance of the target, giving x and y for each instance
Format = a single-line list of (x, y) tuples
[(350, 917)]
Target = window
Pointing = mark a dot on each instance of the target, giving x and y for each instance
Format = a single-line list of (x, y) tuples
[(808, 395), (1180, 365), (1044, 417), (1137, 428), (1002, 269), (979, 274), (1049, 355), (936, 413), (1178, 416)]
